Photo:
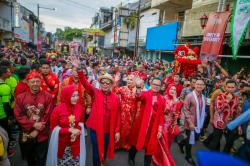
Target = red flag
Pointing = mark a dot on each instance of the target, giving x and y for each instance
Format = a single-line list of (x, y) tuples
[(214, 35)]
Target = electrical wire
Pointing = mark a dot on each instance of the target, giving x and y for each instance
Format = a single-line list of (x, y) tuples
[(84, 6)]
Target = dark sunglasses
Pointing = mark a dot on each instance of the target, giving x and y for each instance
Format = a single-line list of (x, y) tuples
[(105, 82)]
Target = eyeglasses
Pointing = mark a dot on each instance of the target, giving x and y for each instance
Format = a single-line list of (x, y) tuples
[(105, 82), (156, 85)]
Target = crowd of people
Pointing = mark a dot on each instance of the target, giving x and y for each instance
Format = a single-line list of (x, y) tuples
[(49, 105)]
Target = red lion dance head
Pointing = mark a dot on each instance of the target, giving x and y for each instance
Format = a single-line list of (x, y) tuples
[(186, 60)]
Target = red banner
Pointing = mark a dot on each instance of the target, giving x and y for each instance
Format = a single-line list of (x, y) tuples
[(39, 43), (214, 35)]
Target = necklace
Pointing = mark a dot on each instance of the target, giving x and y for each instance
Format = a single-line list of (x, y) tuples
[(71, 121)]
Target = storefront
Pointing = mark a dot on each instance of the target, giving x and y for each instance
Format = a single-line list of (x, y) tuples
[(160, 41)]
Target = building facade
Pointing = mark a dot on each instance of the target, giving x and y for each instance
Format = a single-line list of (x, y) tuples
[(6, 21), (18, 25), (193, 33)]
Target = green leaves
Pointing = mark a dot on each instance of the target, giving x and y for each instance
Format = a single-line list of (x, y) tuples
[(131, 20), (69, 33)]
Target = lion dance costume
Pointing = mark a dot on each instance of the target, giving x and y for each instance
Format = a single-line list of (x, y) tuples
[(187, 60)]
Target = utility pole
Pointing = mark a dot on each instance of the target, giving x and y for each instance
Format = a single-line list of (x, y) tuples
[(137, 31), (38, 24), (115, 31), (12, 22)]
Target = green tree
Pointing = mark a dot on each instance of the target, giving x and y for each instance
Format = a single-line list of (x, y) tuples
[(70, 33), (59, 34), (131, 20)]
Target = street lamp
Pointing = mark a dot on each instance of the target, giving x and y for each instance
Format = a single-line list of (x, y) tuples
[(38, 24), (203, 21)]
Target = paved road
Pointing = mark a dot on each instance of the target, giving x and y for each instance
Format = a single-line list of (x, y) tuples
[(121, 157)]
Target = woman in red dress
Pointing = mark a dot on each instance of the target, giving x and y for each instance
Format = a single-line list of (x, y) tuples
[(128, 110), (67, 142), (169, 129)]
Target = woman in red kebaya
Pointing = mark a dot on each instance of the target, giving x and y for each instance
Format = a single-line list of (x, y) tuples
[(169, 129), (128, 110), (67, 143)]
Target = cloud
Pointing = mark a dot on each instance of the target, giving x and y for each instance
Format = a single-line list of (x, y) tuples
[(51, 23), (68, 13)]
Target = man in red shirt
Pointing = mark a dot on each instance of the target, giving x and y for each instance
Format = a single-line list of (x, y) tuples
[(104, 119), (49, 82), (178, 84), (32, 110), (227, 109), (144, 130)]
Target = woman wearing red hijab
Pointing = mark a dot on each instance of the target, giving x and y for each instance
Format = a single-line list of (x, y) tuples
[(169, 129), (67, 143), (128, 110)]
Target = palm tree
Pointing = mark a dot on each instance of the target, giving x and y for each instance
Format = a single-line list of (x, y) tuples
[(131, 20)]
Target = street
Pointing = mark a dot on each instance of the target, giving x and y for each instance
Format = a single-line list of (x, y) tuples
[(121, 157), (142, 65)]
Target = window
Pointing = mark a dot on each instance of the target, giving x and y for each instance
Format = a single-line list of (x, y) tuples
[(181, 16)]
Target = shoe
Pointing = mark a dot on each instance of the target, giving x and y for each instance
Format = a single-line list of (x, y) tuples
[(233, 150), (11, 152), (190, 160), (202, 138), (131, 162), (181, 147)]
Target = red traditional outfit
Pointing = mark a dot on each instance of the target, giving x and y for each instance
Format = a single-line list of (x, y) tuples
[(168, 81), (169, 129), (60, 117), (29, 109), (186, 60), (128, 112), (144, 131), (50, 84), (140, 74), (225, 112), (104, 117), (20, 88), (179, 88), (84, 98)]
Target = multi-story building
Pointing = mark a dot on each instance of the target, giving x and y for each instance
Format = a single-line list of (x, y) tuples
[(17, 24), (171, 10), (126, 26), (188, 13), (171, 17), (193, 33), (6, 21), (103, 21), (119, 25)]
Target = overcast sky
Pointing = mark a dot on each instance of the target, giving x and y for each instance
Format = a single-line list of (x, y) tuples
[(73, 13)]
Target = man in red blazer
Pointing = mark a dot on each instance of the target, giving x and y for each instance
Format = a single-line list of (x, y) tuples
[(144, 131)]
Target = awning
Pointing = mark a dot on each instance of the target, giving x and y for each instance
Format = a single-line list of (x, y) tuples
[(161, 37)]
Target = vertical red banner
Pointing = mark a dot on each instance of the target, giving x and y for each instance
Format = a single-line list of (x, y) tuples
[(39, 43), (214, 35)]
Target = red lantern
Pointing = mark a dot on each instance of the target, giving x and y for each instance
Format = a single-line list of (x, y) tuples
[(203, 21)]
